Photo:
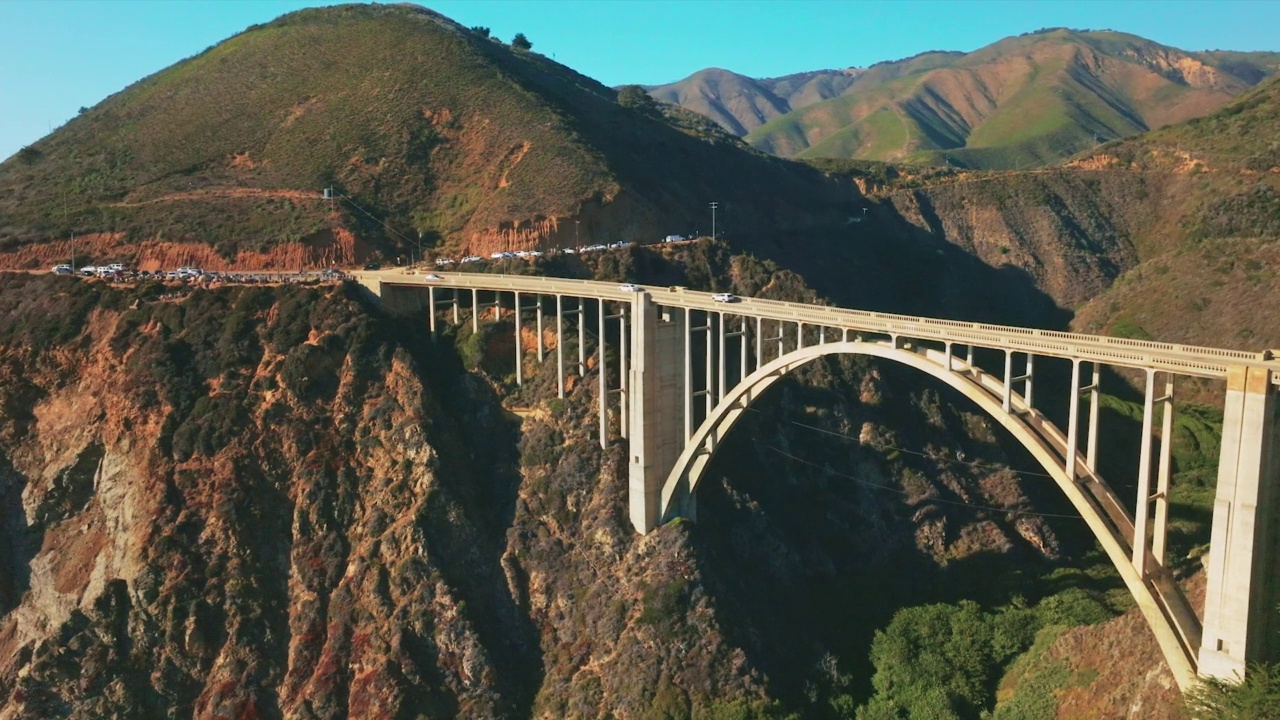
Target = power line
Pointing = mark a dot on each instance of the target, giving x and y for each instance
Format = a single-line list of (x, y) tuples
[(371, 215), (884, 446), (943, 501)]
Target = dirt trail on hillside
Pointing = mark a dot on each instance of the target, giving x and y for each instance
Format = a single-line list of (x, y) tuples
[(225, 193)]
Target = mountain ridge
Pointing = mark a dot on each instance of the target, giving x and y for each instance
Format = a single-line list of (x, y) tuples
[(1022, 101)]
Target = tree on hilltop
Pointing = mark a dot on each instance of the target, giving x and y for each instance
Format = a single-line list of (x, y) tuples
[(481, 30), (635, 98), (520, 42)]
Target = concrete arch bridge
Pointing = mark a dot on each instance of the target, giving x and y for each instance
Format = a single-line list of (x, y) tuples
[(688, 366)]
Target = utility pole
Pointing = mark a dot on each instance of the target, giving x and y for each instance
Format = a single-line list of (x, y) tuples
[(73, 232), (714, 205), (575, 234)]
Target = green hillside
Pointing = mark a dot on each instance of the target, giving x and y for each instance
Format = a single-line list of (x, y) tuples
[(1022, 102), (431, 128)]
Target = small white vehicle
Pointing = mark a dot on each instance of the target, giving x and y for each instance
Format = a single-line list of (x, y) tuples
[(431, 277), (725, 297), (88, 270), (441, 262), (497, 255), (470, 259), (185, 272), (116, 267), (62, 270), (629, 287), (534, 253)]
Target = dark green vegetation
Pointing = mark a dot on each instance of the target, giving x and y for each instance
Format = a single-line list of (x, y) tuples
[(431, 127), (1022, 102), (1257, 698)]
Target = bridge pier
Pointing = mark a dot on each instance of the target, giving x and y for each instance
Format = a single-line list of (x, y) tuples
[(657, 402), (1240, 618)]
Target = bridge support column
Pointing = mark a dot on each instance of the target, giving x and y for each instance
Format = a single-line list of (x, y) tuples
[(1240, 600), (519, 344), (560, 345), (624, 388), (658, 394), (538, 315), (602, 371)]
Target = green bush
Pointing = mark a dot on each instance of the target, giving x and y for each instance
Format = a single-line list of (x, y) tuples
[(1256, 698)]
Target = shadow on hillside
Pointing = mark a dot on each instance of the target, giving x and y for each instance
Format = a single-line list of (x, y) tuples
[(17, 546), (806, 562), (479, 472)]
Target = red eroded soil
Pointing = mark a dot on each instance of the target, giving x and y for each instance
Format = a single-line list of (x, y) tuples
[(341, 248)]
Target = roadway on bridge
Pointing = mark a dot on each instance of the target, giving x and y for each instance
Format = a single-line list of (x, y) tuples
[(1181, 359)]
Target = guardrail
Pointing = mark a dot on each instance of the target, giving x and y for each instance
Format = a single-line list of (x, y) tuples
[(1173, 357)]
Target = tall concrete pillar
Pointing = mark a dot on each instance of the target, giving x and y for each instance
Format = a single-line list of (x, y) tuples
[(1241, 597), (657, 385)]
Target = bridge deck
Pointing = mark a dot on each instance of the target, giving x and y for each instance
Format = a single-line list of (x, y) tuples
[(1181, 359)]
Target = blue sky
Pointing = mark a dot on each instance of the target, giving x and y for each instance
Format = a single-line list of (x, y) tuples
[(59, 55)]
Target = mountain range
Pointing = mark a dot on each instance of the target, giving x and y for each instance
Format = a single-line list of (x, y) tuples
[(257, 501), (1021, 102)]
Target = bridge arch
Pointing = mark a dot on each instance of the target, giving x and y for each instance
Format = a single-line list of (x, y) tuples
[(1164, 606)]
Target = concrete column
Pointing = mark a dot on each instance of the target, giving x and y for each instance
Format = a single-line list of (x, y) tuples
[(759, 342), (1144, 478), (968, 356), (475, 311), (582, 338), (456, 320), (707, 379), (560, 344), (624, 387), (658, 388), (1158, 541), (781, 343), (1095, 387), (1241, 596), (1073, 420), (431, 302), (720, 375), (799, 335), (688, 373), (822, 336), (601, 370), (538, 306), (1007, 400), (519, 346), (742, 359), (1031, 366), (947, 350)]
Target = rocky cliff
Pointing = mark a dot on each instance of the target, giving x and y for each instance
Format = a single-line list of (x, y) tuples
[(280, 502)]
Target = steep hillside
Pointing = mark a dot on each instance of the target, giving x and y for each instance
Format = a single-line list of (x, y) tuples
[(1022, 102), (738, 103), (285, 503), (432, 129), (741, 104), (1170, 234)]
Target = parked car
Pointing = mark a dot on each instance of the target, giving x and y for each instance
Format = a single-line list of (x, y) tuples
[(431, 277), (629, 287), (725, 298), (62, 270), (88, 270), (372, 266)]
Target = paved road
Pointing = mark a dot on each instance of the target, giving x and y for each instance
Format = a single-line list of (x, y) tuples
[(1124, 352)]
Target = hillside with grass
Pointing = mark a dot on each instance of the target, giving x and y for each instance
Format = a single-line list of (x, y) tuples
[(1023, 102), (1173, 234), (741, 104), (424, 128)]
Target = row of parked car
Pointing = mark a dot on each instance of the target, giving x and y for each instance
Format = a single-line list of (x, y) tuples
[(529, 254), (119, 272)]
